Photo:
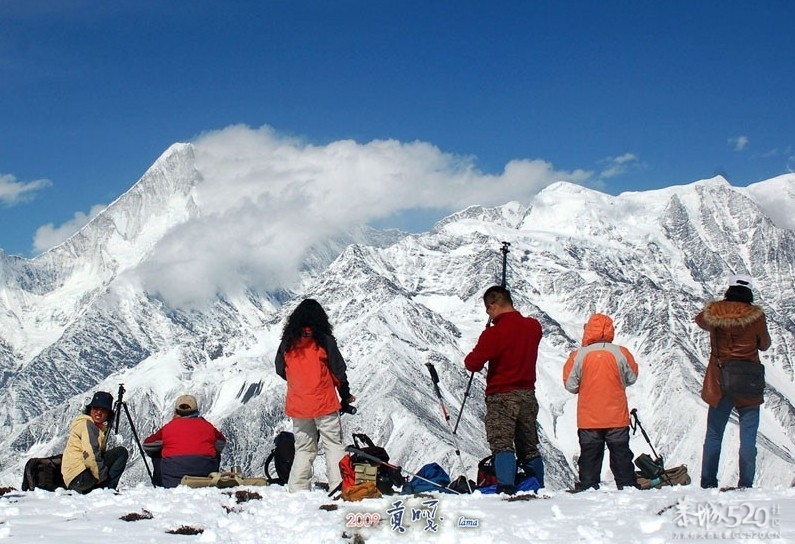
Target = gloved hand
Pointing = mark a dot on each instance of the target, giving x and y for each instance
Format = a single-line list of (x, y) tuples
[(347, 407)]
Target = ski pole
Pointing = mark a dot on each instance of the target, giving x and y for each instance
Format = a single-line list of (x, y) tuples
[(435, 380), (376, 460), (463, 402)]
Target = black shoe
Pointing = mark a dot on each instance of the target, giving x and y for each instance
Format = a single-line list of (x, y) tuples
[(579, 488), (507, 489)]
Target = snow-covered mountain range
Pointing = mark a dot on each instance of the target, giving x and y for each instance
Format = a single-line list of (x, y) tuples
[(84, 316)]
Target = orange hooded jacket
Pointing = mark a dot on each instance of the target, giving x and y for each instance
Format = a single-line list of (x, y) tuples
[(599, 372), (314, 373)]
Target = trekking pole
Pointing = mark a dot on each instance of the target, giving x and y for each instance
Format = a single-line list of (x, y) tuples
[(466, 394), (504, 250), (376, 460), (435, 380)]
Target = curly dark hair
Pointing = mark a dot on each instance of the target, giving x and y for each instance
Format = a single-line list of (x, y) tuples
[(308, 314)]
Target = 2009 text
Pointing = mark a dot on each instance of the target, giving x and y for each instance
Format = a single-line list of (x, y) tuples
[(366, 519)]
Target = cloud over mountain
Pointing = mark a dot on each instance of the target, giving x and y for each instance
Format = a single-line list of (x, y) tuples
[(265, 199)]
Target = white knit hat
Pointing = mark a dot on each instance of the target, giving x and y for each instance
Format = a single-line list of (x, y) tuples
[(741, 280)]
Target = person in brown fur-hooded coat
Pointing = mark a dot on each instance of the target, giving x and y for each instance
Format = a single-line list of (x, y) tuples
[(738, 330)]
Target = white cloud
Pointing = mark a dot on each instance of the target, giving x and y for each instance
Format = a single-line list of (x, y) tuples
[(13, 191), (48, 236), (739, 143), (265, 199), (615, 166)]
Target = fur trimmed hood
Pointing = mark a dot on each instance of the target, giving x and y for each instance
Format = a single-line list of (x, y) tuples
[(727, 313)]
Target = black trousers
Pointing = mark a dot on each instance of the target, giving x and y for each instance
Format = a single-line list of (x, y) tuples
[(592, 451), (116, 461)]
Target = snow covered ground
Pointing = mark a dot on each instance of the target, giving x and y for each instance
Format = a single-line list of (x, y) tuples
[(606, 515)]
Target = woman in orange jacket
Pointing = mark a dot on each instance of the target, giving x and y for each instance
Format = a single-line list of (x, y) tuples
[(309, 359)]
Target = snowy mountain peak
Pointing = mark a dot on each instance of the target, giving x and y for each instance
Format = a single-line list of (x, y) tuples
[(73, 322)]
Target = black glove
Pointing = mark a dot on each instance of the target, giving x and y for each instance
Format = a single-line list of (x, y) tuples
[(345, 392), (346, 405)]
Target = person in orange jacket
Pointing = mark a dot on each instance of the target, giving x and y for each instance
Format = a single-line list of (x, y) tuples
[(599, 372), (309, 359)]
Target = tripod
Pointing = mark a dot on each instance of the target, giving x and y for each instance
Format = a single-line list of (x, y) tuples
[(652, 467), (504, 250), (117, 408)]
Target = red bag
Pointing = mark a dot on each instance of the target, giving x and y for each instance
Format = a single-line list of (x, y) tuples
[(347, 472)]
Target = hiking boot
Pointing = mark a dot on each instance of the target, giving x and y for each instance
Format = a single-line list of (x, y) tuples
[(733, 488), (507, 489), (535, 467), (579, 488), (505, 468)]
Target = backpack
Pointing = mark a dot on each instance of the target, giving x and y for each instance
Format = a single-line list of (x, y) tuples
[(432, 472), (671, 476), (282, 456), (387, 478), (652, 473), (43, 473), (462, 485), (357, 492), (486, 474)]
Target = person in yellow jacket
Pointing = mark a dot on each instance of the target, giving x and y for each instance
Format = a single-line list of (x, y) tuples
[(86, 464), (599, 372)]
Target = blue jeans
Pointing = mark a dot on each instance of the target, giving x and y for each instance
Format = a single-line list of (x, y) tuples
[(716, 424)]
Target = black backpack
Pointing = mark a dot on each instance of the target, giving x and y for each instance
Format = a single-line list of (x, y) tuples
[(43, 473), (282, 456), (487, 476)]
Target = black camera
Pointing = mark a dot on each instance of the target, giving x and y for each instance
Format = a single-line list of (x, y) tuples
[(348, 409)]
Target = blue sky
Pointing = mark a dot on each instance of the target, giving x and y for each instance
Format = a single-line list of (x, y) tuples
[(638, 95)]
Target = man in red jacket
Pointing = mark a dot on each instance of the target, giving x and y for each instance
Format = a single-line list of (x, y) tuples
[(188, 444), (600, 372), (510, 346)]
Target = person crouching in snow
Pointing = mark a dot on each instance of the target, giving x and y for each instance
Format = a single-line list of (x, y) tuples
[(188, 445), (600, 372), (309, 359), (86, 464)]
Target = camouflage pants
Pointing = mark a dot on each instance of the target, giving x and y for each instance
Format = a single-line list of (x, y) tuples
[(511, 423)]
